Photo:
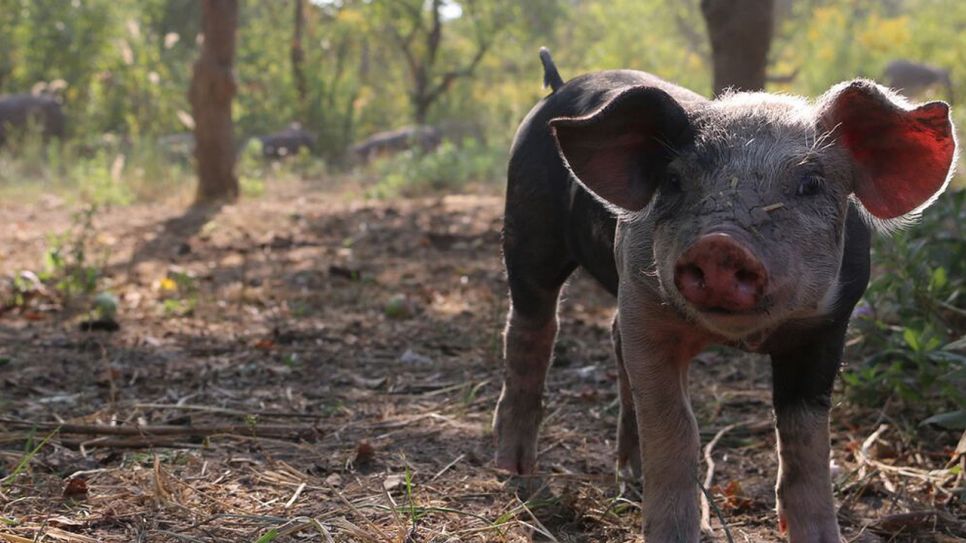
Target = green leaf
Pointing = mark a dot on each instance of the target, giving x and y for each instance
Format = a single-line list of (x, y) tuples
[(911, 338), (268, 536), (939, 278), (952, 420)]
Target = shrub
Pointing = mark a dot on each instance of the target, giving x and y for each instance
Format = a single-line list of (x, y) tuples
[(448, 168), (912, 321)]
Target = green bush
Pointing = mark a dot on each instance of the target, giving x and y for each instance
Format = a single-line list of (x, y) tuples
[(103, 170), (447, 168), (912, 321)]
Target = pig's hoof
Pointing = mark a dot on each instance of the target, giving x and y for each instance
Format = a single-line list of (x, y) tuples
[(515, 428), (628, 470), (631, 490), (628, 462), (808, 529), (528, 487), (629, 482), (516, 456)]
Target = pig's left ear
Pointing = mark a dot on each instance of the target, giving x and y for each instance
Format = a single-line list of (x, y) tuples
[(903, 155), (618, 152)]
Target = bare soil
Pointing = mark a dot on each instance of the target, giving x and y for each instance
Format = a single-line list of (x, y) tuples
[(326, 370)]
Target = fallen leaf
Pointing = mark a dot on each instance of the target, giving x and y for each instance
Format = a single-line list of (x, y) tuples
[(76, 488), (65, 522), (392, 481), (265, 344), (365, 453), (411, 357), (735, 498)]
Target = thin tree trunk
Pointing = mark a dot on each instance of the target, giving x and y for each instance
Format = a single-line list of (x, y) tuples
[(212, 90), (298, 59), (740, 32)]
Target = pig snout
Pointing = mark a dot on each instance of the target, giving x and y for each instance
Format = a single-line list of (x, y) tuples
[(718, 273)]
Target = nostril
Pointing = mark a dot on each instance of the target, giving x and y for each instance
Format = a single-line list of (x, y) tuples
[(748, 286), (747, 276), (690, 275)]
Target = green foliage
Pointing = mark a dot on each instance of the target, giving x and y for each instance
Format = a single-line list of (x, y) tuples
[(25, 461), (67, 262), (100, 171), (913, 319), (125, 65), (448, 168), (269, 536), (179, 293)]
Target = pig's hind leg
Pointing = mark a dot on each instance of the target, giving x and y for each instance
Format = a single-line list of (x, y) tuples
[(537, 264)]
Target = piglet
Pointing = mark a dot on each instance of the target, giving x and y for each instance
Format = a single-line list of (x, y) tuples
[(742, 221)]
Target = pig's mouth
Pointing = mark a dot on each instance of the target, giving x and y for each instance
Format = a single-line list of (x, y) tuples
[(731, 324)]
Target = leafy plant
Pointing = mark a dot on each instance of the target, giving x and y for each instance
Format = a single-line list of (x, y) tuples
[(912, 320), (179, 293), (67, 263), (447, 168)]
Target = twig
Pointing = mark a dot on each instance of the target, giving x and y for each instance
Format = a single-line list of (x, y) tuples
[(144, 442), (298, 492), (199, 430), (447, 467), (706, 501), (382, 534), (936, 478), (539, 525), (228, 411), (707, 496), (914, 521)]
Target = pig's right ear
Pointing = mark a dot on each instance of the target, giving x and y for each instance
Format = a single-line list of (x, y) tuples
[(618, 152), (903, 155)]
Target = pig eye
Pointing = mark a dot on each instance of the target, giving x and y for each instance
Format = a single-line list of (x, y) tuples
[(673, 182), (810, 185)]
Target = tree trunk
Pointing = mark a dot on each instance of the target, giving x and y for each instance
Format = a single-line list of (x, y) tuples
[(212, 89), (740, 33), (298, 60)]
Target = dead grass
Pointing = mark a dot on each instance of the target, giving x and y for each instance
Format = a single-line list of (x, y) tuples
[(382, 415)]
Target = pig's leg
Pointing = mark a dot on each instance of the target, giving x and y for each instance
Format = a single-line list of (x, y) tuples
[(536, 272), (628, 442), (803, 379), (657, 369)]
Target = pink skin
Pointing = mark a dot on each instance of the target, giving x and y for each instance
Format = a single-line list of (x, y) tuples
[(719, 273)]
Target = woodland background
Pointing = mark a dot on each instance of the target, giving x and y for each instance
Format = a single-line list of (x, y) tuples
[(318, 359)]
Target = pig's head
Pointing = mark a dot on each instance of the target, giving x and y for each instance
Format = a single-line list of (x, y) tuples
[(748, 194)]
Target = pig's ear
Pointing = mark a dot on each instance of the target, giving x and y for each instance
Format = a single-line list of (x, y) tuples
[(903, 155), (619, 151)]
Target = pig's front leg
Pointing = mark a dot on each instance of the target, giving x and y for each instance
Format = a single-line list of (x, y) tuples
[(628, 440), (657, 369), (803, 379)]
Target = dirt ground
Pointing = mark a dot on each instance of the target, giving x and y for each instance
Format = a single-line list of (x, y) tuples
[(305, 367)]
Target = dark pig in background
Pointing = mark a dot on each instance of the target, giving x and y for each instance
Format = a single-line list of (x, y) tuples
[(18, 111), (914, 78), (423, 137), (742, 221), (287, 142)]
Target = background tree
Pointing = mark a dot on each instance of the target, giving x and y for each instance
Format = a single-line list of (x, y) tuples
[(298, 58), (212, 89), (740, 32), (420, 41)]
